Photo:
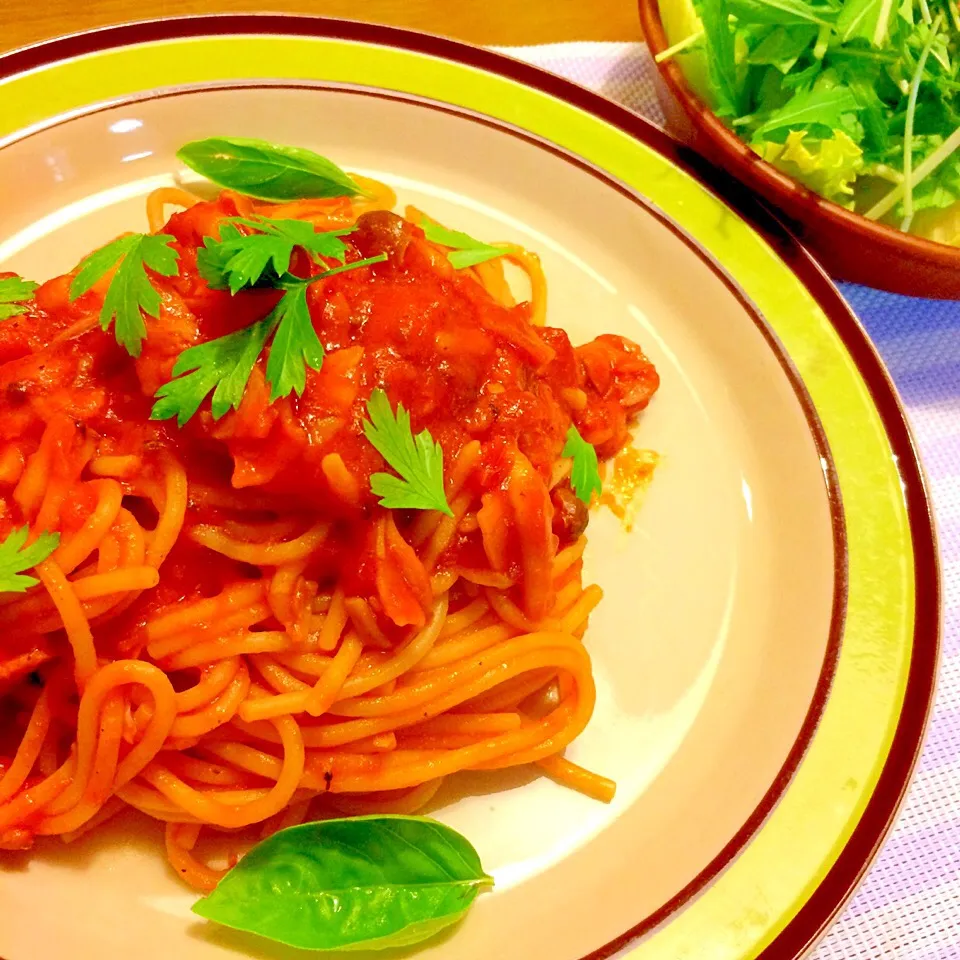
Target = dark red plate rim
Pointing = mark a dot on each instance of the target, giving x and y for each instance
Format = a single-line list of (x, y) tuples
[(814, 916)]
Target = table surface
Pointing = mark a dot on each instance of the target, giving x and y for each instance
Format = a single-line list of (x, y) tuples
[(500, 22)]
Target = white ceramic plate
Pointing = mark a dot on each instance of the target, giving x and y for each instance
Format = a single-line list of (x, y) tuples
[(766, 647)]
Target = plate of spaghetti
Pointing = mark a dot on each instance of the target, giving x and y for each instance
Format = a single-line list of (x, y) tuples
[(435, 515)]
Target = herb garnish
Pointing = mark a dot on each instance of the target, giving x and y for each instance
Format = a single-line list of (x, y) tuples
[(267, 171), (465, 252), (224, 365), (361, 882), (15, 558), (130, 294), (418, 460), (14, 292), (585, 476), (239, 260)]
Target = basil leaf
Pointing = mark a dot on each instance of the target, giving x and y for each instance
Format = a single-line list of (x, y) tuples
[(372, 882), (267, 171)]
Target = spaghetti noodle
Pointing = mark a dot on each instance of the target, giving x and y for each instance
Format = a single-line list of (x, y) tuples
[(232, 636)]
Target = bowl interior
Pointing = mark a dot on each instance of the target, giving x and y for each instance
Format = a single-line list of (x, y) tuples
[(849, 245), (715, 626)]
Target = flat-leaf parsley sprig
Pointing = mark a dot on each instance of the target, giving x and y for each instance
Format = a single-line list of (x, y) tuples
[(418, 459), (585, 476), (237, 260), (15, 558), (130, 294), (14, 293), (465, 251), (224, 365)]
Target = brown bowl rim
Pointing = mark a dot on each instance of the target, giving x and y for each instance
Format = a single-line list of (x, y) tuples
[(746, 164)]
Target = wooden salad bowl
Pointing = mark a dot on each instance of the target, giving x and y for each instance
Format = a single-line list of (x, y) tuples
[(848, 245)]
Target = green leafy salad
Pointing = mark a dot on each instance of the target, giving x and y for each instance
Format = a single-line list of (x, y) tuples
[(857, 99)]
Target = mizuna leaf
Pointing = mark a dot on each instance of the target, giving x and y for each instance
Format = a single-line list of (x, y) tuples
[(782, 47), (780, 12), (824, 107), (869, 19), (721, 59)]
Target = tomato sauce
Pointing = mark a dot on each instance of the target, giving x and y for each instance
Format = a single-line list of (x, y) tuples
[(466, 367)]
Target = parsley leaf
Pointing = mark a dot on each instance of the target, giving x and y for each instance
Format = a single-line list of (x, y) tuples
[(130, 294), (239, 260), (295, 345), (585, 477), (15, 558), (14, 292), (224, 365), (466, 251), (268, 171), (418, 460)]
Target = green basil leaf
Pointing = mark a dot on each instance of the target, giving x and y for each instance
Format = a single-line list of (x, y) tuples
[(267, 171), (360, 882)]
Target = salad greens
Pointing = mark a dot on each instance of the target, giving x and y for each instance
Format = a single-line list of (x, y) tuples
[(857, 99), (359, 882)]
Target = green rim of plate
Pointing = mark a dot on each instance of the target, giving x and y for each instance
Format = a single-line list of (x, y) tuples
[(804, 860)]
